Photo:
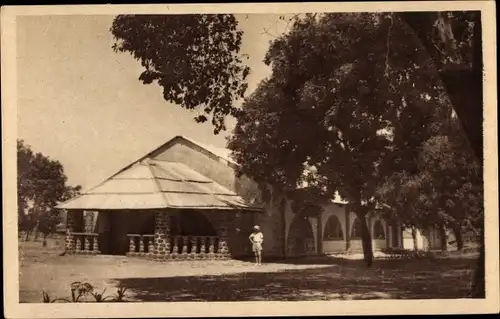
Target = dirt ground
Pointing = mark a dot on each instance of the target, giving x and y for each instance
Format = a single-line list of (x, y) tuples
[(320, 278)]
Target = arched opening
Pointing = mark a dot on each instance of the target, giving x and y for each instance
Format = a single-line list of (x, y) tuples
[(300, 237), (143, 222), (378, 230), (113, 227), (356, 229), (191, 223), (333, 229), (186, 227)]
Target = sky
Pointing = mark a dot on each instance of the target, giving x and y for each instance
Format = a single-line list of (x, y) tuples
[(81, 103)]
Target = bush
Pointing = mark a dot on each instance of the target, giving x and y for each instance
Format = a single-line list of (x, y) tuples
[(80, 291)]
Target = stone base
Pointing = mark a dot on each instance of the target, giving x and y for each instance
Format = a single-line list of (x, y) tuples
[(82, 252), (161, 258), (137, 254), (179, 257)]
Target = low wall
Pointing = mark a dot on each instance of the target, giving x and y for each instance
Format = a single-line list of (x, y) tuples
[(379, 244), (334, 246), (355, 245)]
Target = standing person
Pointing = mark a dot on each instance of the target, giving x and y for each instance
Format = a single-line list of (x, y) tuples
[(257, 238)]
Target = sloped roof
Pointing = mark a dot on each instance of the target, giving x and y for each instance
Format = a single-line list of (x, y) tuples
[(153, 184), (225, 154), (220, 152)]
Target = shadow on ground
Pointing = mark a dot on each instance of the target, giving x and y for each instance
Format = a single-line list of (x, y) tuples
[(386, 279)]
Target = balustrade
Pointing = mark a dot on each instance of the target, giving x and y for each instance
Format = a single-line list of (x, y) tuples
[(181, 247), (85, 243), (140, 244), (194, 247), (150, 241)]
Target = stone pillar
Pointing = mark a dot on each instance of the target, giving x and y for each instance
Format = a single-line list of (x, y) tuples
[(162, 235), (70, 239), (223, 249)]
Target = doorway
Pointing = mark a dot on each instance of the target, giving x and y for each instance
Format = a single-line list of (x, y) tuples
[(300, 237), (113, 229)]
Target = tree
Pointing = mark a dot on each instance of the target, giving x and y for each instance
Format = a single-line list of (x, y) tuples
[(345, 104), (42, 183), (455, 183), (194, 58), (49, 220), (454, 41), (24, 187), (445, 192), (440, 34), (461, 34)]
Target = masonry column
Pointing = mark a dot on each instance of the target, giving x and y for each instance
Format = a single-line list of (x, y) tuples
[(69, 246), (347, 228), (400, 236), (319, 230), (223, 249), (162, 236)]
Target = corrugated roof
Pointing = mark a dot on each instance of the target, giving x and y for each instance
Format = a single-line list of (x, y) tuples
[(152, 184), (222, 153)]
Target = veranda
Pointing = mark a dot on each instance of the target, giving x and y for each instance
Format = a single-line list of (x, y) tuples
[(159, 234)]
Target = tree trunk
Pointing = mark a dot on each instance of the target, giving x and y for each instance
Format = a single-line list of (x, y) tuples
[(457, 231), (414, 236), (478, 282), (283, 231), (478, 289), (443, 238), (366, 240)]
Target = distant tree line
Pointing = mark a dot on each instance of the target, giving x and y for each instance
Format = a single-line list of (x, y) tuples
[(42, 184)]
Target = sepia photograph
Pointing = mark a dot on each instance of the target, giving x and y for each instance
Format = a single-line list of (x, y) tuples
[(302, 153)]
